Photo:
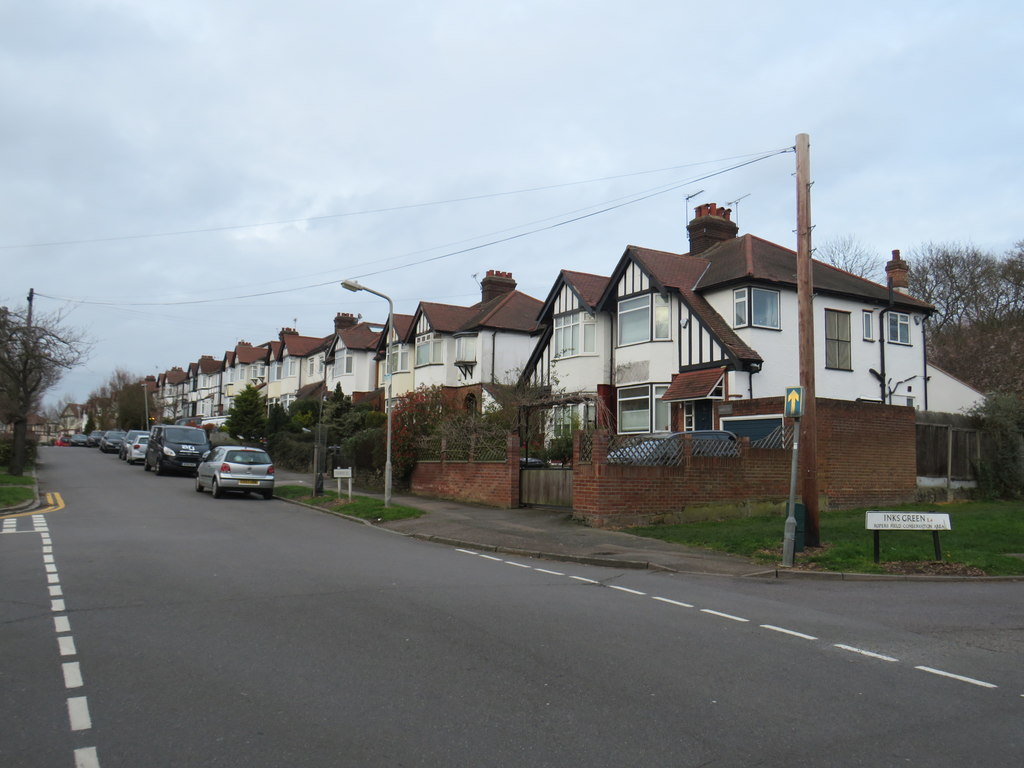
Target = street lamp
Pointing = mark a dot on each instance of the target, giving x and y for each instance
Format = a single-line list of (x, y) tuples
[(352, 285)]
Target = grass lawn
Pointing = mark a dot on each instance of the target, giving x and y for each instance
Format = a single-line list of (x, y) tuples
[(364, 507), (15, 490), (983, 537)]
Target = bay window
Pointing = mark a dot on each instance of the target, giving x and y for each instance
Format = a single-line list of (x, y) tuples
[(758, 307), (575, 334)]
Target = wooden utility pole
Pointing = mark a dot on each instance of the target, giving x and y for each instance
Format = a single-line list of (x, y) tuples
[(805, 293)]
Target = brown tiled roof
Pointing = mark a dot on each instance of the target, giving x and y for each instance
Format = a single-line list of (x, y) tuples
[(301, 346), (512, 311), (175, 376), (680, 273), (362, 335), (246, 354), (316, 389), (752, 258), (207, 364), (693, 385), (588, 287), (445, 318)]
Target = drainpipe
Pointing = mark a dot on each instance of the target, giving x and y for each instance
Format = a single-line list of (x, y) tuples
[(881, 344), (924, 356)]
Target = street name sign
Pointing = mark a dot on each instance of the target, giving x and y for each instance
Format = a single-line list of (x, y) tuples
[(906, 521)]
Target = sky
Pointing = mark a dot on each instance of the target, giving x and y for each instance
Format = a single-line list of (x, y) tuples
[(176, 177)]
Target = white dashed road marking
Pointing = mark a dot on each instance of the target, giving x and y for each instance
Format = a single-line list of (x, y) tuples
[(773, 628), (862, 652), (724, 615), (961, 678)]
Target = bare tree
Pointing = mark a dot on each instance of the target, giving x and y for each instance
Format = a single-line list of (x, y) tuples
[(34, 355), (979, 323), (850, 255)]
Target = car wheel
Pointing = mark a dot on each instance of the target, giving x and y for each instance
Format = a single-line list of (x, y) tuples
[(268, 495), (130, 461), (215, 490), (199, 485)]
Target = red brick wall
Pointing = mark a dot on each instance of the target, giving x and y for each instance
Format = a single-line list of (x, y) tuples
[(495, 484), (866, 456)]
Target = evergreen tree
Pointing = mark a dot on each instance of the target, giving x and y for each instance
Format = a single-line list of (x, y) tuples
[(247, 418)]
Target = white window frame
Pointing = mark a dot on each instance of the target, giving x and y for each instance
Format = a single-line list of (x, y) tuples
[(432, 347), (575, 334), (657, 412), (291, 366), (898, 328), (648, 318), (868, 322), (746, 308), (398, 358), (465, 349), (343, 362)]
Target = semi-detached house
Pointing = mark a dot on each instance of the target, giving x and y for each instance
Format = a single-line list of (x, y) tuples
[(667, 341)]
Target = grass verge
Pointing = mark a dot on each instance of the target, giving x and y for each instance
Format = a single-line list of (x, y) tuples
[(985, 535), (364, 507), (15, 489)]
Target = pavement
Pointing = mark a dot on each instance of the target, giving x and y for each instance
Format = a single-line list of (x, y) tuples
[(547, 533)]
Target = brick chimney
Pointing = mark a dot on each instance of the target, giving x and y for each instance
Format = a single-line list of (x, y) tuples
[(710, 225), (496, 284), (344, 320), (897, 272), (287, 332)]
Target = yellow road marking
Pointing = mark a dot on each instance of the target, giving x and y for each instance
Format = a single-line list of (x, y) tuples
[(54, 502)]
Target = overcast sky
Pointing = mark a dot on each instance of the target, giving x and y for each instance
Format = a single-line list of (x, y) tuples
[(161, 162)]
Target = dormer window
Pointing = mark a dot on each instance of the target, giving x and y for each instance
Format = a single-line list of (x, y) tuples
[(757, 307)]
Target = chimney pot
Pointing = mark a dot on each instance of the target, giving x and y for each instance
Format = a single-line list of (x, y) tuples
[(711, 225), (496, 283)]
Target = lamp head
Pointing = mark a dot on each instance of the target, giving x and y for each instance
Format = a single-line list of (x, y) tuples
[(351, 285)]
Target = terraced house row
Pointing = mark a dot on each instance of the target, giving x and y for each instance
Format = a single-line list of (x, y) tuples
[(661, 342)]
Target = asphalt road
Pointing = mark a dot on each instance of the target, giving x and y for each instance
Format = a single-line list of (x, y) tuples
[(146, 625)]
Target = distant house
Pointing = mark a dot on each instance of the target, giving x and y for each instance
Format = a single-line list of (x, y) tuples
[(350, 356), (465, 348)]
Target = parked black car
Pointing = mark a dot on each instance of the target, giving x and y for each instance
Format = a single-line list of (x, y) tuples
[(175, 449), (111, 441), (94, 438)]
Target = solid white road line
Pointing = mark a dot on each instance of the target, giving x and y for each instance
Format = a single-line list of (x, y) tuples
[(78, 712), (865, 653), (86, 758), (961, 678), (72, 675), (773, 628), (723, 615)]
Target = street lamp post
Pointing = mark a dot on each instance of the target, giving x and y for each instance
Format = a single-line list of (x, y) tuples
[(352, 285)]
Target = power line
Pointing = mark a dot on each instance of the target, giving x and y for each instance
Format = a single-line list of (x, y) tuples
[(390, 209), (631, 201)]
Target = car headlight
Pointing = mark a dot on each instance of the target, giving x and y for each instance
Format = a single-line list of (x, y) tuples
[(169, 452)]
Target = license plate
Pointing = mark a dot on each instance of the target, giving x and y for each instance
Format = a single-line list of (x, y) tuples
[(248, 482), (187, 464)]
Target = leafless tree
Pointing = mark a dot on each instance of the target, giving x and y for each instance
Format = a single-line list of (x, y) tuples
[(33, 358), (850, 255)]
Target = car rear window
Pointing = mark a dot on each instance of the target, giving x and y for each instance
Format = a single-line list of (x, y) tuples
[(247, 457), (185, 435)]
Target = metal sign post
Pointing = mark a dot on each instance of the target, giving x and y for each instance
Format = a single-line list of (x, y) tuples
[(793, 410), (341, 474)]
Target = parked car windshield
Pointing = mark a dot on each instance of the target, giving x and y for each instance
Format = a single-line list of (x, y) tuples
[(185, 435), (247, 457)]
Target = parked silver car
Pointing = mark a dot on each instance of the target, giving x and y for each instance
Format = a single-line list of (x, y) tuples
[(136, 449), (129, 438), (237, 469)]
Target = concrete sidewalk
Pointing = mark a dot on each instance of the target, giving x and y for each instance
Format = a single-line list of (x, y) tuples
[(546, 533)]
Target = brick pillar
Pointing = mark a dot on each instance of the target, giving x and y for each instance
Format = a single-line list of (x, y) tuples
[(599, 448)]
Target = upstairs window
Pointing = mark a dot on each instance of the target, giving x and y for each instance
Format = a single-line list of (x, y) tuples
[(757, 307), (342, 362), (837, 340), (868, 320), (429, 349), (398, 359), (643, 318), (575, 334), (899, 328), (465, 349), (291, 367)]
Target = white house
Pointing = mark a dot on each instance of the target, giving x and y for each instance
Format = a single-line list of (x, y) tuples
[(672, 335)]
